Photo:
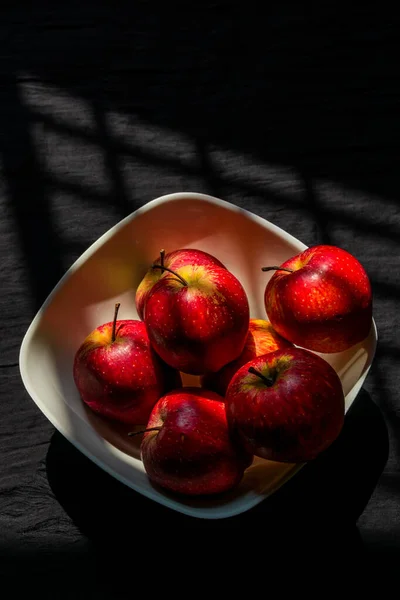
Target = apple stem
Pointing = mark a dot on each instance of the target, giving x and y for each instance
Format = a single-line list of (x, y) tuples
[(276, 269), (267, 380), (162, 255), (132, 433), (164, 268), (118, 304)]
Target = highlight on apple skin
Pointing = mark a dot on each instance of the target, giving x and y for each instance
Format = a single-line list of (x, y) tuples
[(197, 318), (286, 406), (261, 339), (187, 447), (172, 260), (320, 299), (117, 373)]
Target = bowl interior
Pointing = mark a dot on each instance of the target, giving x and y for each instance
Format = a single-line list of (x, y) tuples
[(110, 271)]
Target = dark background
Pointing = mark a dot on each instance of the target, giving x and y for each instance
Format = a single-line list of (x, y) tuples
[(292, 114)]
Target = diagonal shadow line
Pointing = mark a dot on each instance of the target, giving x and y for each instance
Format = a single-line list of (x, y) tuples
[(279, 102), (330, 152), (381, 288), (209, 174), (118, 146), (207, 170), (120, 194), (321, 222), (27, 196), (326, 214), (75, 188), (213, 180), (329, 214)]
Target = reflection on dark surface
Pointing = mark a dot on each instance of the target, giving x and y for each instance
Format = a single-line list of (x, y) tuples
[(319, 506)]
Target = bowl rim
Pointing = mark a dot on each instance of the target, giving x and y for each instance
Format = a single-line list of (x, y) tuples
[(215, 513), (120, 225)]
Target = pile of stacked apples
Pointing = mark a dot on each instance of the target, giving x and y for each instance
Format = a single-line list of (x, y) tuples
[(264, 388)]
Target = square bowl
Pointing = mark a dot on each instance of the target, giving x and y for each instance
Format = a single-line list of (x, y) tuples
[(110, 271)]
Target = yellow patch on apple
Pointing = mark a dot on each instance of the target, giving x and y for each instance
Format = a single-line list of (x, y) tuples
[(97, 339)]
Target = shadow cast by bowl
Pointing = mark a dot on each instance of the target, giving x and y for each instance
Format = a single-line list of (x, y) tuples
[(324, 500)]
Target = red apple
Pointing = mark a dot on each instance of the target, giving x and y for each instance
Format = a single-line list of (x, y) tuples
[(261, 338), (117, 373), (187, 447), (197, 318), (172, 260), (286, 406), (320, 299)]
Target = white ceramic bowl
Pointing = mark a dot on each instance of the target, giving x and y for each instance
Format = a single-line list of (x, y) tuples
[(109, 271)]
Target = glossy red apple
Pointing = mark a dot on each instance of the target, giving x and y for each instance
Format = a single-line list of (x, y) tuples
[(187, 447), (172, 260), (320, 299), (117, 373), (286, 406), (197, 318), (261, 339)]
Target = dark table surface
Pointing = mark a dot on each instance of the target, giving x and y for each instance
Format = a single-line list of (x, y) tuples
[(292, 115)]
